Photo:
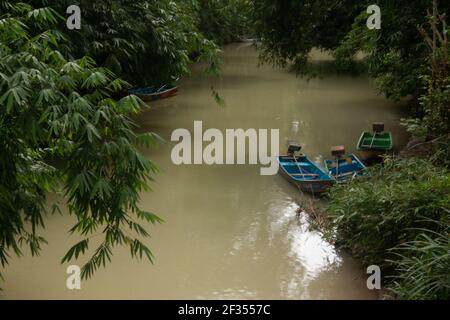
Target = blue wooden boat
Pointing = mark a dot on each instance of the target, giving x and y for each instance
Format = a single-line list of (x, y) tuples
[(155, 93), (305, 174), (344, 168)]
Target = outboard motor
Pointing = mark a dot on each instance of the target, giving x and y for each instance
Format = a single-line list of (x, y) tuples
[(293, 147), (338, 151), (378, 127)]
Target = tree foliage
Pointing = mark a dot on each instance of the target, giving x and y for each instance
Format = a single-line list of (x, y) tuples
[(61, 128), (387, 217), (374, 215), (436, 100), (433, 128), (395, 55), (225, 21), (290, 29), (146, 42)]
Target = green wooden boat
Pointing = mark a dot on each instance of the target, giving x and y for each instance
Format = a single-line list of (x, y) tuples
[(376, 141), (373, 144)]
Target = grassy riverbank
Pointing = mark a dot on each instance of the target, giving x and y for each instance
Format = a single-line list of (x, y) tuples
[(398, 217)]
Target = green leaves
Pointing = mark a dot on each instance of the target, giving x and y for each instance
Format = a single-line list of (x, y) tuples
[(82, 183), (149, 139), (101, 190), (225, 21), (149, 217), (76, 251), (130, 104), (138, 229), (91, 132), (118, 84), (394, 205), (423, 265), (46, 96), (71, 68), (164, 34), (15, 96), (56, 103), (44, 15), (114, 236), (139, 250), (96, 79)]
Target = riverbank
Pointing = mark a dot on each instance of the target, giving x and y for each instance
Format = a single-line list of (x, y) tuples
[(398, 218)]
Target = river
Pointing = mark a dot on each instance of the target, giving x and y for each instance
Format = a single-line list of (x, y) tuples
[(229, 233)]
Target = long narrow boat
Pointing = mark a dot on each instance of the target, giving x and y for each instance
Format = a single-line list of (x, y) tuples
[(345, 168), (155, 93), (374, 144), (305, 174)]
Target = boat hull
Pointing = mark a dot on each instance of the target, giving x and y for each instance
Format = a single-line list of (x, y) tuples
[(370, 147), (170, 91), (312, 186), (346, 169), (371, 154)]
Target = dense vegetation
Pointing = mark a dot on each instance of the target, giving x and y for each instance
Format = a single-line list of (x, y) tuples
[(225, 21), (55, 108), (394, 55), (392, 218), (146, 42)]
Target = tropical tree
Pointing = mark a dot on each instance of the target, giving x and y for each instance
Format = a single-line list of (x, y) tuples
[(436, 100), (63, 128), (290, 29), (224, 21), (394, 55), (146, 42)]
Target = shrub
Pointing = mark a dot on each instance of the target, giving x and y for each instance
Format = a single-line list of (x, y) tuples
[(424, 266), (379, 212)]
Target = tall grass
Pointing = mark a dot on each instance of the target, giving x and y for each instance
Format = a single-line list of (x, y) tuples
[(423, 266), (402, 204)]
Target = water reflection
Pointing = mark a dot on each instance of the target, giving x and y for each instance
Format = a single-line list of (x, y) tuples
[(295, 125), (309, 248), (310, 254)]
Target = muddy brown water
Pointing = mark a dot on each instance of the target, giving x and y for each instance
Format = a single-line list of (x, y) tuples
[(229, 233)]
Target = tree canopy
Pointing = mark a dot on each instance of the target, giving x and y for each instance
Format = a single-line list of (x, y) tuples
[(65, 117), (65, 110), (395, 55), (146, 42)]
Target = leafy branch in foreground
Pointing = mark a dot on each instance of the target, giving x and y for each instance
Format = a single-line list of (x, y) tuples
[(59, 110)]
